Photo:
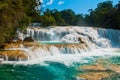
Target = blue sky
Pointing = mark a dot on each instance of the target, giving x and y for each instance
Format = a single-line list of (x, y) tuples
[(78, 6)]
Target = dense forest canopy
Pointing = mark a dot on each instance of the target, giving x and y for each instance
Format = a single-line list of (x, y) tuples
[(105, 15), (17, 14), (61, 18)]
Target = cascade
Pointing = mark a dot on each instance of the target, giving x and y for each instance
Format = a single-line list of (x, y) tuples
[(110, 34), (95, 37), (56, 41), (43, 50), (69, 40)]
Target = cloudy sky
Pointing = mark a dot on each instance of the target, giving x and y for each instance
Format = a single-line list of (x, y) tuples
[(78, 6)]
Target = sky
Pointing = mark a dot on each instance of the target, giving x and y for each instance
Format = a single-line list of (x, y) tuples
[(78, 6)]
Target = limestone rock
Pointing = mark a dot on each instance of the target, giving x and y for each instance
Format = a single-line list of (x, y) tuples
[(13, 55), (28, 39)]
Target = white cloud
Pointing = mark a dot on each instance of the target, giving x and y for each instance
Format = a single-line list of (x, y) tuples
[(50, 2), (60, 2), (41, 1)]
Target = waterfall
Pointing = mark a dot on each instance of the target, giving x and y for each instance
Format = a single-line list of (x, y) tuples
[(94, 37), (112, 35), (68, 40), (44, 50)]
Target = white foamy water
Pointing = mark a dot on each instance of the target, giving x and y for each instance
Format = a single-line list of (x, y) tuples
[(69, 59), (95, 37), (71, 44)]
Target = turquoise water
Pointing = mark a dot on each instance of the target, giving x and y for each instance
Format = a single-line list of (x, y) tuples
[(52, 71), (53, 42), (55, 71), (115, 60)]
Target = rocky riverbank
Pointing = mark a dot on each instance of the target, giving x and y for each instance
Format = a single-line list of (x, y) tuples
[(12, 52), (17, 50), (100, 71), (13, 55)]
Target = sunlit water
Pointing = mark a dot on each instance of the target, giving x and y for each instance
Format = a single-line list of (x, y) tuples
[(62, 67), (50, 62)]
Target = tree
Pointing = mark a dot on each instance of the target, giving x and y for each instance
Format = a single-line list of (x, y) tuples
[(79, 20), (103, 16), (68, 16), (48, 21), (58, 18), (15, 14)]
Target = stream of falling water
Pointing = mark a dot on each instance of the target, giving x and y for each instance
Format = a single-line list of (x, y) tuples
[(61, 52)]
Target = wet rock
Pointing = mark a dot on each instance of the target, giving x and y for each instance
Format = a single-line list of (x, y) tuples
[(94, 68), (80, 39), (115, 76), (100, 72), (13, 55), (28, 39), (94, 75), (10, 45), (114, 68)]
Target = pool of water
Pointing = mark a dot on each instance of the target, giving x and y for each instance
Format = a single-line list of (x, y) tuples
[(54, 70), (56, 42)]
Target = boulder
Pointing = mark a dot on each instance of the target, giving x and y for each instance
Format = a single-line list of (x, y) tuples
[(80, 39), (28, 39)]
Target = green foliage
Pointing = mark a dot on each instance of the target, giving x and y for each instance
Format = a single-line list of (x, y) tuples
[(58, 18), (68, 16), (48, 21), (105, 15), (61, 18), (15, 14)]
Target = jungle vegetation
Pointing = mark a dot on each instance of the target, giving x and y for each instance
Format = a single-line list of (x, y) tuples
[(18, 14), (105, 15)]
